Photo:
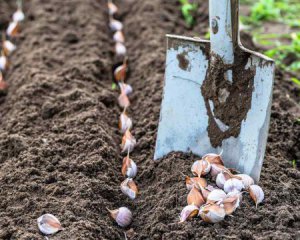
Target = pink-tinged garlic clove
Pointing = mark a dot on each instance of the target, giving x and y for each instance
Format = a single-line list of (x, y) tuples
[(212, 213), (125, 88), (119, 37), (216, 195), (120, 49), (115, 25), (129, 188), (125, 122), (213, 158), (128, 142), (246, 179), (112, 8), (188, 212), (200, 168), (123, 101), (233, 184), (49, 224), (13, 29), (8, 47), (129, 168), (195, 197), (257, 194), (122, 216)]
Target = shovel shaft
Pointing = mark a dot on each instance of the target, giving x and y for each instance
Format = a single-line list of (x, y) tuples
[(224, 28)]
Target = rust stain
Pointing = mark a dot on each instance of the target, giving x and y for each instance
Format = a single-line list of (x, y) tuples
[(183, 61)]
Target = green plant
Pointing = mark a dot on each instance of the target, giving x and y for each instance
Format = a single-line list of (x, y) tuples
[(187, 10)]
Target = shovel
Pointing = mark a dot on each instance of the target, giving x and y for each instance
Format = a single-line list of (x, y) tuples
[(217, 95)]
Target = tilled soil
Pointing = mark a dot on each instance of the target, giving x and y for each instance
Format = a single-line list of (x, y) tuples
[(59, 140)]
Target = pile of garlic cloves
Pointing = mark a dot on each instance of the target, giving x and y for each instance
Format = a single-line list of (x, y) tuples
[(7, 44), (214, 203)]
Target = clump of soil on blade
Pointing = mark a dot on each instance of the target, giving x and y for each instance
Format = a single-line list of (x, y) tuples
[(59, 140)]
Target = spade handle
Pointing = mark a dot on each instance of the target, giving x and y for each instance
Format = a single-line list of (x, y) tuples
[(224, 28)]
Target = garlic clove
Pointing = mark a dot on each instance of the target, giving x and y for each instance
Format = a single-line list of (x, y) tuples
[(213, 158), (222, 177), (125, 122), (128, 142), (122, 216), (129, 168), (231, 202), (8, 47), (195, 197), (120, 49), (233, 184), (120, 72), (129, 188), (3, 84), (246, 179), (18, 16), (188, 212), (123, 100), (201, 168), (49, 224), (195, 181), (119, 37), (257, 194), (13, 29), (212, 213), (115, 25), (126, 88), (112, 8), (216, 195), (3, 62), (216, 169), (205, 192)]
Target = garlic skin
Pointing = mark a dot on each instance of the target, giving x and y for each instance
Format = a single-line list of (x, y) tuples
[(123, 101), (188, 212), (122, 216), (3, 63), (195, 197), (213, 158), (129, 168), (18, 16), (128, 142), (212, 213), (120, 49), (129, 188), (125, 122), (233, 184), (216, 195), (126, 88), (119, 37), (49, 224), (200, 168), (115, 25), (246, 179), (8, 47), (257, 194), (12, 29)]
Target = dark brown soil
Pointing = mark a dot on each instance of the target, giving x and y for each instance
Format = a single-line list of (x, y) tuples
[(59, 141)]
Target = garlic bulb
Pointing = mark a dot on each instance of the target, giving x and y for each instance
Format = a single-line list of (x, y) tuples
[(188, 212), (49, 224), (129, 167), (195, 197), (213, 158), (216, 195), (212, 213), (125, 122), (123, 100), (12, 29), (222, 177), (246, 179), (233, 184), (200, 168), (216, 169), (115, 25), (257, 194), (195, 181), (122, 216), (8, 47), (119, 37), (112, 8), (120, 49), (128, 142), (18, 16), (3, 62), (126, 88), (129, 188)]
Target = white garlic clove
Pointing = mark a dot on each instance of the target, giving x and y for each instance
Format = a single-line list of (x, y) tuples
[(122, 216), (188, 212), (119, 37), (128, 142), (216, 169), (115, 25), (235, 193), (126, 88), (233, 184), (200, 168), (12, 29), (222, 177), (49, 224), (213, 158), (120, 49), (246, 179), (18, 16), (125, 122), (257, 194), (112, 8), (212, 213), (8, 47), (216, 195), (3, 63), (129, 167), (129, 188), (195, 197)]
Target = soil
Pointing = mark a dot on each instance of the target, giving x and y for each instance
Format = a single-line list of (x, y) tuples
[(59, 138)]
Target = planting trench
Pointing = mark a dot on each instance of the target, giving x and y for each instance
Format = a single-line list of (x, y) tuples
[(59, 140)]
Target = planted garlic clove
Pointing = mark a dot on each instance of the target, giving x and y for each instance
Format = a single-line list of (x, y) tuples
[(216, 195), (195, 197), (8, 47), (216, 169), (195, 181), (200, 168), (3, 62), (126, 88), (233, 184), (115, 25), (128, 142), (129, 188), (3, 84), (123, 101), (112, 8), (213, 158), (49, 224), (246, 179), (18, 16), (122, 216), (120, 72), (120, 49), (188, 212), (119, 37), (125, 122), (13, 29), (212, 213), (129, 167), (257, 194)]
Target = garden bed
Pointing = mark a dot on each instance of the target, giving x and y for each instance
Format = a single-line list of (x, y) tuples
[(59, 137)]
